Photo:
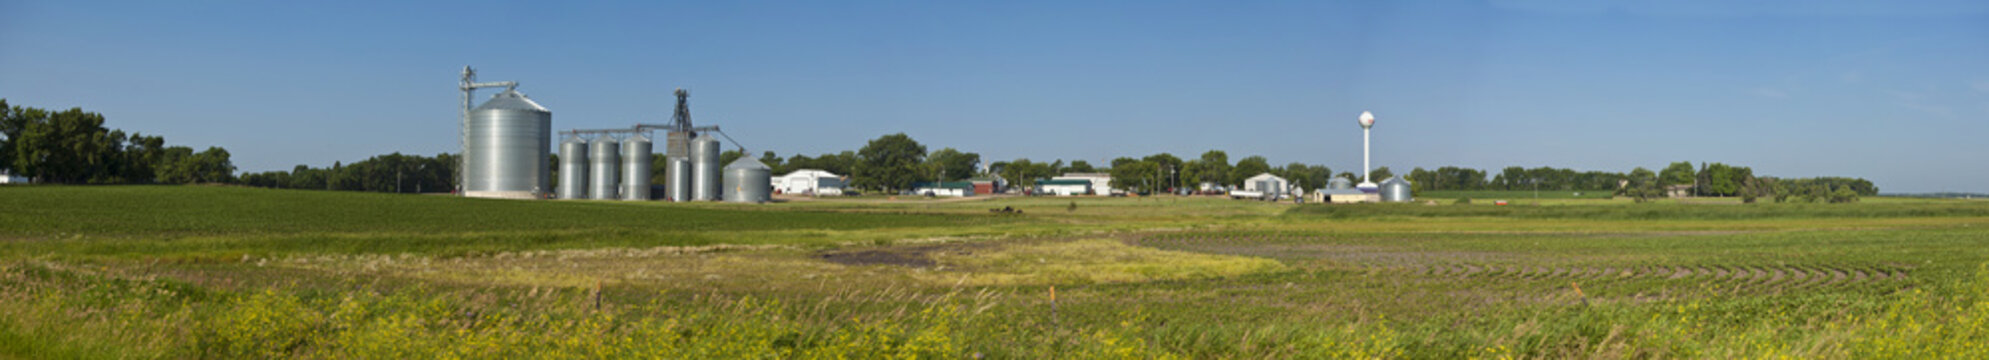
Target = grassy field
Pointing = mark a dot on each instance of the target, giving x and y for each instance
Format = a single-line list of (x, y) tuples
[(1491, 195), (219, 272)]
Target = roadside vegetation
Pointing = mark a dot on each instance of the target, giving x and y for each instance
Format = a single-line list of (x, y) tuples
[(224, 272)]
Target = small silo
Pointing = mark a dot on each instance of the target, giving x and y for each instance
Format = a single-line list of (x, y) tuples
[(606, 159), (636, 167), (705, 175), (507, 148), (677, 179), (1339, 183), (1395, 190), (573, 168), (748, 181)]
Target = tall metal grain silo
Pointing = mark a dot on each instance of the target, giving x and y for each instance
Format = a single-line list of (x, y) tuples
[(573, 168), (636, 166), (506, 148), (1395, 190), (748, 181), (677, 178), (606, 161), (705, 175)]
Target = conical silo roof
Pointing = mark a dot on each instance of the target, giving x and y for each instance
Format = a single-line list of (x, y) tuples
[(747, 162), (511, 99)]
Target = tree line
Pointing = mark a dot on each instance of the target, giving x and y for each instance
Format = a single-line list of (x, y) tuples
[(396, 173), (897, 162), (73, 147)]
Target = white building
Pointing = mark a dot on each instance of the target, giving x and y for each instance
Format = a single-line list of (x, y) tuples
[(1207, 186), (1270, 186), (948, 189), (1101, 183), (1064, 187), (8, 177), (1265, 182), (809, 182)]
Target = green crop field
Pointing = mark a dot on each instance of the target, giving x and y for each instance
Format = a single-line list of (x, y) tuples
[(225, 272)]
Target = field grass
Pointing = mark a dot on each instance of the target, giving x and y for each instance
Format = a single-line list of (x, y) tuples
[(219, 272)]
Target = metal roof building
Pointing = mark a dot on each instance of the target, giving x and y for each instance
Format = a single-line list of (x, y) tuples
[(1064, 187), (810, 182)]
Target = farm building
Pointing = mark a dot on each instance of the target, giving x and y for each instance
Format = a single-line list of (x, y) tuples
[(1343, 196), (1678, 191), (949, 188), (8, 177), (1267, 183), (1101, 183), (1064, 187), (989, 184), (809, 182)]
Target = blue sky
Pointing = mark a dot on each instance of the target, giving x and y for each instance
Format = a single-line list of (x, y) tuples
[(1896, 92)]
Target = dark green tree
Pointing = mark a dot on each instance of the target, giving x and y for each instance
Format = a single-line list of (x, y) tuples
[(1215, 168), (1678, 173), (952, 165), (1643, 186), (891, 162), (773, 162), (1134, 175), (1080, 166), (1167, 175), (1381, 173), (1248, 167)]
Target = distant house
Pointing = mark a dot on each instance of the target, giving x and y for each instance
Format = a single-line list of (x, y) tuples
[(989, 184), (810, 182), (1101, 183), (1678, 191), (949, 188), (1343, 196), (1064, 187)]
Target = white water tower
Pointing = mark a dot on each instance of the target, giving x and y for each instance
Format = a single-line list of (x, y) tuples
[(1367, 172)]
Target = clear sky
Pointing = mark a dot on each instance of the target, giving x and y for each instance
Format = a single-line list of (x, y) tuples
[(1893, 91)]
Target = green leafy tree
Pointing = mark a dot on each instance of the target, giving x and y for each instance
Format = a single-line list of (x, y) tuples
[(1679, 173), (67, 147), (1134, 175), (1248, 167), (1381, 173), (1843, 195), (1721, 180), (1169, 170), (1643, 186), (1080, 166), (1308, 177), (890, 162), (952, 165), (773, 162), (1215, 168), (729, 156)]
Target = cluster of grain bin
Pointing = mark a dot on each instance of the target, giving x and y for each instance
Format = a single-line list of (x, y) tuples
[(507, 146), (610, 169), (605, 168)]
